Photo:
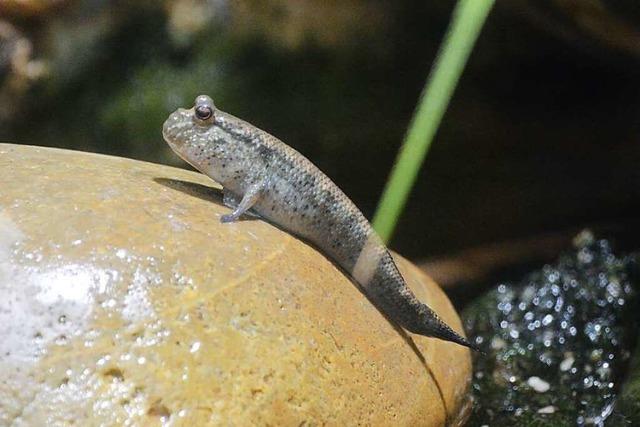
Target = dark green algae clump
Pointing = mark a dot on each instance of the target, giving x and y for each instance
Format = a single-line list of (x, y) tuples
[(558, 342)]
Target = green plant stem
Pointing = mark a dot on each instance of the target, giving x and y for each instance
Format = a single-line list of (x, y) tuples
[(467, 21)]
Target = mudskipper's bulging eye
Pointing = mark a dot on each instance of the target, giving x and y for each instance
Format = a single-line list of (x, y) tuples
[(204, 112)]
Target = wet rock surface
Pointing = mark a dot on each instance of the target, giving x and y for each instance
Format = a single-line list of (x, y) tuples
[(125, 301), (558, 342)]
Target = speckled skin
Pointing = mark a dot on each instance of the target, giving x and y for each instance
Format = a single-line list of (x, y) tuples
[(260, 172)]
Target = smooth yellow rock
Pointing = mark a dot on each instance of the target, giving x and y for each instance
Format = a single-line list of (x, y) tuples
[(124, 301)]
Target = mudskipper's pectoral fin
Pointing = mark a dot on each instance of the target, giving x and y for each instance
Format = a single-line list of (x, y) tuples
[(249, 199), (230, 199)]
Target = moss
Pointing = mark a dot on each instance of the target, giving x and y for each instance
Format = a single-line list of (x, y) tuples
[(627, 409), (557, 342)]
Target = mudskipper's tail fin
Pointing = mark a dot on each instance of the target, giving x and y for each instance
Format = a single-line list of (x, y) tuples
[(428, 323)]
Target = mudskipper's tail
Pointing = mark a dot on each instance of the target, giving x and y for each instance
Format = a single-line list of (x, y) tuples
[(390, 293), (428, 323)]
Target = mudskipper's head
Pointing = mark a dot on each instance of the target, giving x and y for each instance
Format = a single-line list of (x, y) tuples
[(186, 130)]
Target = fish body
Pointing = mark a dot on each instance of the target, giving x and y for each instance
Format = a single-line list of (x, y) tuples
[(259, 172)]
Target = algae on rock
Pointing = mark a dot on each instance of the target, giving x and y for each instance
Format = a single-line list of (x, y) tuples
[(557, 342)]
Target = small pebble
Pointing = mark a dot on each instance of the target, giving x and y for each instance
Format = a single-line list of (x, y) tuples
[(538, 384), (567, 363), (547, 410)]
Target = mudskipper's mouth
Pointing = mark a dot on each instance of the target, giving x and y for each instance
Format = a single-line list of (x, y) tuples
[(165, 133), (177, 122)]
